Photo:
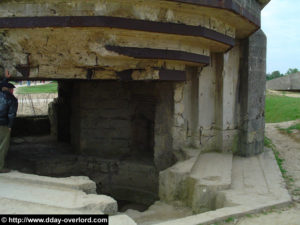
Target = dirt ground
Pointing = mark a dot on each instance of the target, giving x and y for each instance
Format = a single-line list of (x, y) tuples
[(289, 150), (284, 93)]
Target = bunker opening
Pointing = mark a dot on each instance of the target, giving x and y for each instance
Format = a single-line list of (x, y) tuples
[(110, 131)]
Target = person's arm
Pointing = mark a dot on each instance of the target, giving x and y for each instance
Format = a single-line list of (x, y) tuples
[(12, 112), (6, 77)]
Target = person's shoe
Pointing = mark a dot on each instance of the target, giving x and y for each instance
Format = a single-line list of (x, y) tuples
[(4, 170)]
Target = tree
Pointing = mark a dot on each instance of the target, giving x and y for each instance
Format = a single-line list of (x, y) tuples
[(274, 75), (291, 71)]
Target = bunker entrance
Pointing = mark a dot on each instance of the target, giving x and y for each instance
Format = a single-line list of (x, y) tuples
[(33, 100), (109, 131)]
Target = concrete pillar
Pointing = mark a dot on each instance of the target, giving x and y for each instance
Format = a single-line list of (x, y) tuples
[(252, 94), (191, 107), (164, 121), (60, 110), (65, 89)]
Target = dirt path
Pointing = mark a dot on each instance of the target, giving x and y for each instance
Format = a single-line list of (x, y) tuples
[(289, 150), (284, 93)]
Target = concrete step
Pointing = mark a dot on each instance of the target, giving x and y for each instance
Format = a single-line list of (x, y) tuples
[(196, 181), (172, 181), (49, 194), (256, 181), (210, 174), (213, 169)]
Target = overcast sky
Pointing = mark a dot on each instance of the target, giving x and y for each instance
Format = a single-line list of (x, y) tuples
[(281, 23)]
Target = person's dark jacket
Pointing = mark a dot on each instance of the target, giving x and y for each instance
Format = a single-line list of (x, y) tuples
[(8, 108)]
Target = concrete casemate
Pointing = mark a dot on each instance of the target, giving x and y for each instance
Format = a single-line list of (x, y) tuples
[(139, 83), (210, 54), (286, 83)]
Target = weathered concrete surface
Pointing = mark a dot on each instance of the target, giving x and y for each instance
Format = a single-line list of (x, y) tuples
[(206, 107), (172, 181), (210, 174), (256, 184), (256, 181), (114, 119), (64, 52), (252, 94), (66, 194), (121, 220), (159, 211), (286, 83), (30, 194), (196, 181), (78, 183), (264, 2)]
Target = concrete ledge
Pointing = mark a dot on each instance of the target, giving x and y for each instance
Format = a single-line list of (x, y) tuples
[(47, 194), (12, 206), (77, 183)]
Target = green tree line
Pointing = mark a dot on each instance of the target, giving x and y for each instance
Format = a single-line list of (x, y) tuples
[(276, 74)]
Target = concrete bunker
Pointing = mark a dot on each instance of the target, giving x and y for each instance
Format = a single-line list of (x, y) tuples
[(141, 83)]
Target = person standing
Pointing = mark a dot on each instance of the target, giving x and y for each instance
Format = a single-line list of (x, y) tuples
[(8, 112)]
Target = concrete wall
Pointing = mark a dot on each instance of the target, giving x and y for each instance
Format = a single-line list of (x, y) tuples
[(286, 83), (206, 108), (119, 119)]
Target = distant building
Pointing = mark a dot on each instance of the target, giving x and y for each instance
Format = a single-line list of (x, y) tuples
[(286, 83)]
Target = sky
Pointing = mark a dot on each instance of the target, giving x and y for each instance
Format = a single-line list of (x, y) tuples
[(281, 24)]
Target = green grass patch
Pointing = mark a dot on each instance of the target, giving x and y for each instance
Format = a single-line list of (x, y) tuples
[(282, 108), (290, 129), (45, 88), (229, 219)]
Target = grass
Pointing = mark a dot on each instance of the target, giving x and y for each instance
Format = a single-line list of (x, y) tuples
[(290, 129), (45, 88), (229, 219), (282, 108)]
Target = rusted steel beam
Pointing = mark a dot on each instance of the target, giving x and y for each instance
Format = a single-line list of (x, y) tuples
[(115, 22), (229, 5), (149, 53)]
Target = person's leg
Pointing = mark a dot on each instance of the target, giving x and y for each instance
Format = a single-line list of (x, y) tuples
[(4, 144)]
